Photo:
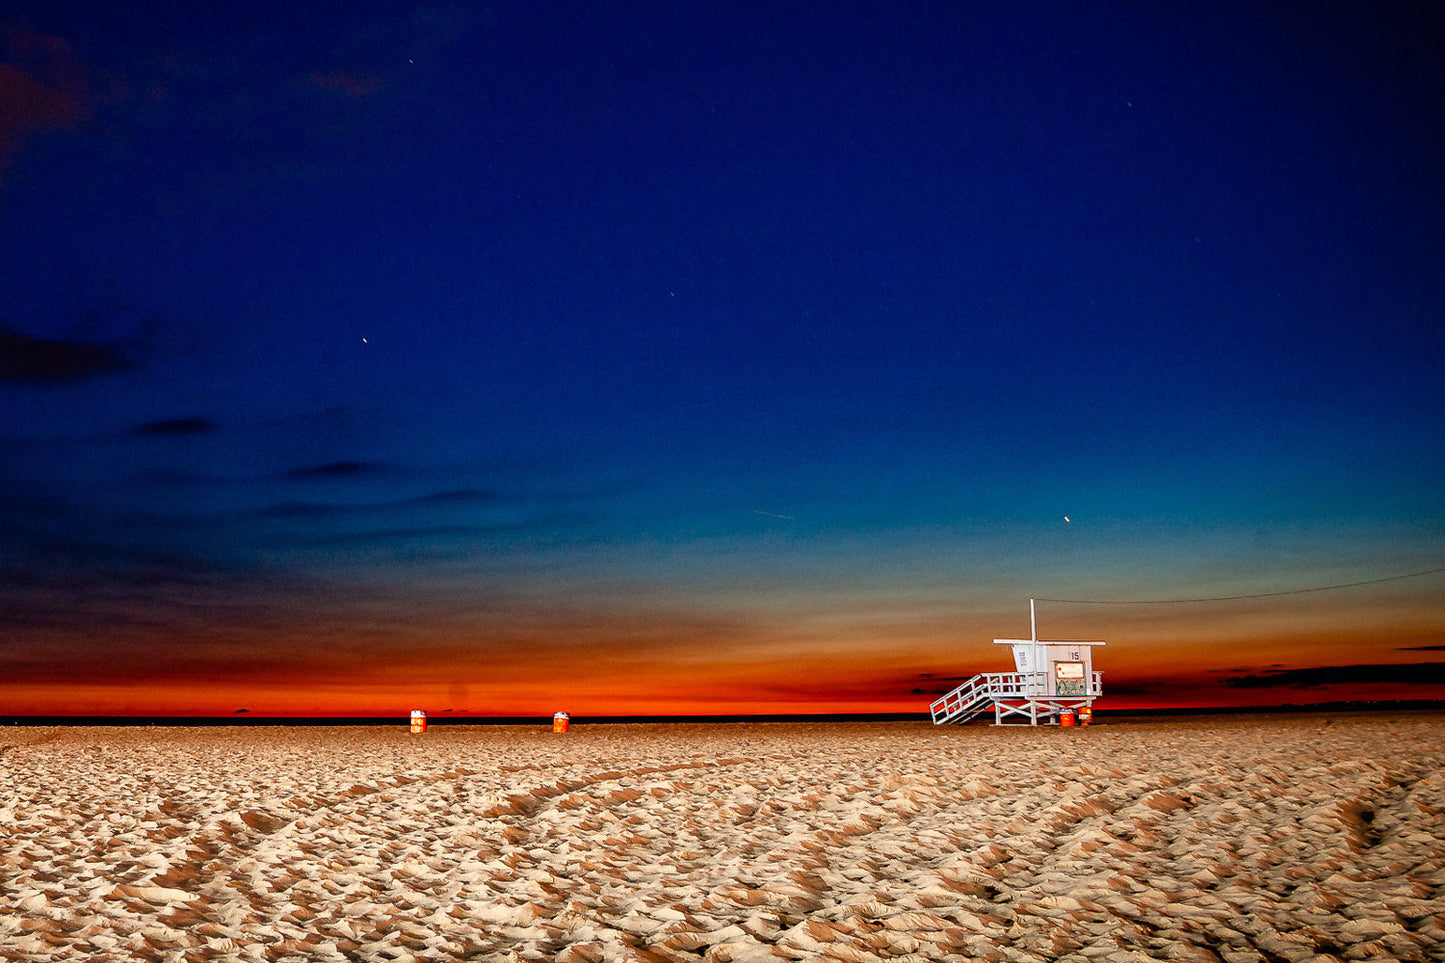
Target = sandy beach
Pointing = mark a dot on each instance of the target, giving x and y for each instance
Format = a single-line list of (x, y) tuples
[(1248, 838)]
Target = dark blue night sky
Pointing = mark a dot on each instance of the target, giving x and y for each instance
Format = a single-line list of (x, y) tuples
[(727, 357)]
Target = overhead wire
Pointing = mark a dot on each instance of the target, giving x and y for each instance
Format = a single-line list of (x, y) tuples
[(1235, 598)]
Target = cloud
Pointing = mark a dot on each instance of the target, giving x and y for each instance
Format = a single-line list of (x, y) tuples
[(927, 683), (1418, 673), (457, 496), (1421, 648), (45, 361), (336, 469), (293, 509), (81, 610), (378, 536), (172, 427), (43, 87), (302, 510)]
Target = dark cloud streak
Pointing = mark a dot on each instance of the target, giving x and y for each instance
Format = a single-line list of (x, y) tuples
[(173, 427), (44, 361), (1418, 673), (336, 469), (458, 496)]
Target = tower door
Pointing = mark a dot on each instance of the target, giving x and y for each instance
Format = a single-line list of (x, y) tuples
[(1070, 679)]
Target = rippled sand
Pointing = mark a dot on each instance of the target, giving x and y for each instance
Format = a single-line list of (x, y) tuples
[(1239, 839)]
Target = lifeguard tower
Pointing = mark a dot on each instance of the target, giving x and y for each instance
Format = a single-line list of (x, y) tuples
[(1051, 677)]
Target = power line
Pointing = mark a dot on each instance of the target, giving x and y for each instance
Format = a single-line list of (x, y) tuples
[(1235, 598)]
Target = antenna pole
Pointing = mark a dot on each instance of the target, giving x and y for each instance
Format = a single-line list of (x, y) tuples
[(1033, 623)]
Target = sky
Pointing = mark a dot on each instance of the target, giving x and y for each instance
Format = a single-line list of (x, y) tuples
[(716, 358)]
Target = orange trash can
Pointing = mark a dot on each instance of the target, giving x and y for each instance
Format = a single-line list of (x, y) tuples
[(1066, 718), (1086, 716), (560, 721), (418, 721)]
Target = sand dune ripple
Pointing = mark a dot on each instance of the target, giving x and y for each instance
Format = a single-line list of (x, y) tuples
[(1246, 840)]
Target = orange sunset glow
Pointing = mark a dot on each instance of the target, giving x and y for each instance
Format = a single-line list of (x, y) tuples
[(1314, 647)]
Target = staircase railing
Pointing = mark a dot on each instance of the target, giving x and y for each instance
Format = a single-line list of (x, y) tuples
[(978, 694)]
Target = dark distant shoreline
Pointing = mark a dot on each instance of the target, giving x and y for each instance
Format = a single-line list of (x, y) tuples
[(1102, 714)]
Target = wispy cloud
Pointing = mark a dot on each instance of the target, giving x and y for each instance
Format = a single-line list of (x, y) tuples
[(250, 99), (43, 87), (453, 497), (379, 536)]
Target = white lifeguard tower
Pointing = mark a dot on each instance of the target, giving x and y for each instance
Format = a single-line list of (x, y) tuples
[(1051, 677)]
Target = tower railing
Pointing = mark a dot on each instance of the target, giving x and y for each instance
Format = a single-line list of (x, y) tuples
[(984, 691)]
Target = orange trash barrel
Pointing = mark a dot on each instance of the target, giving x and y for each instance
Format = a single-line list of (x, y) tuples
[(418, 721), (1066, 718), (1086, 716), (560, 721)]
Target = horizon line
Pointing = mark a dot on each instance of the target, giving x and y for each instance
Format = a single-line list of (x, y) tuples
[(387, 719)]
